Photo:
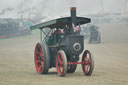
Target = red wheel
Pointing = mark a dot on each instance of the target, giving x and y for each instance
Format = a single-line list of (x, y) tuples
[(61, 63), (41, 61), (88, 65)]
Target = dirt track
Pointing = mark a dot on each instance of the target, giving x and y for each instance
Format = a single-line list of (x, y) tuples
[(111, 61)]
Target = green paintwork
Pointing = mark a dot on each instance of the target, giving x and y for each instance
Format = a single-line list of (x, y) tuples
[(52, 40)]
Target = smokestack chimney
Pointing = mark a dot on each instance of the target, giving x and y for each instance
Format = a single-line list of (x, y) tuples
[(73, 15)]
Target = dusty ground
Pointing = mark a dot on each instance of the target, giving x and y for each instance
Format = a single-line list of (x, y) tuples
[(111, 61)]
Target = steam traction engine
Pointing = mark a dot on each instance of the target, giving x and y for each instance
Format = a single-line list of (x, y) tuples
[(62, 46)]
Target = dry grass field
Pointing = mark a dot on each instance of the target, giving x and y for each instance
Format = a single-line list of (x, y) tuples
[(111, 60)]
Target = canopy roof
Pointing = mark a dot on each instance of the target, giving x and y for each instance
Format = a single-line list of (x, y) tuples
[(60, 23)]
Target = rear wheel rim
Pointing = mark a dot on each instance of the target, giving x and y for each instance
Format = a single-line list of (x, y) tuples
[(38, 57), (86, 59)]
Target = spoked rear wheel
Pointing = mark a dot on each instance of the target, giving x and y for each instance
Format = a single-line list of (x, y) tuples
[(41, 60), (88, 65), (61, 63)]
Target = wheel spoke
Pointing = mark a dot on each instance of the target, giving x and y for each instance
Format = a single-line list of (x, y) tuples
[(42, 62), (38, 61), (61, 69), (40, 67), (60, 61), (88, 62), (61, 65), (42, 58), (86, 68), (37, 52)]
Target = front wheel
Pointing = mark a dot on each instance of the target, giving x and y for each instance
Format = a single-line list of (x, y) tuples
[(61, 63), (88, 63)]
